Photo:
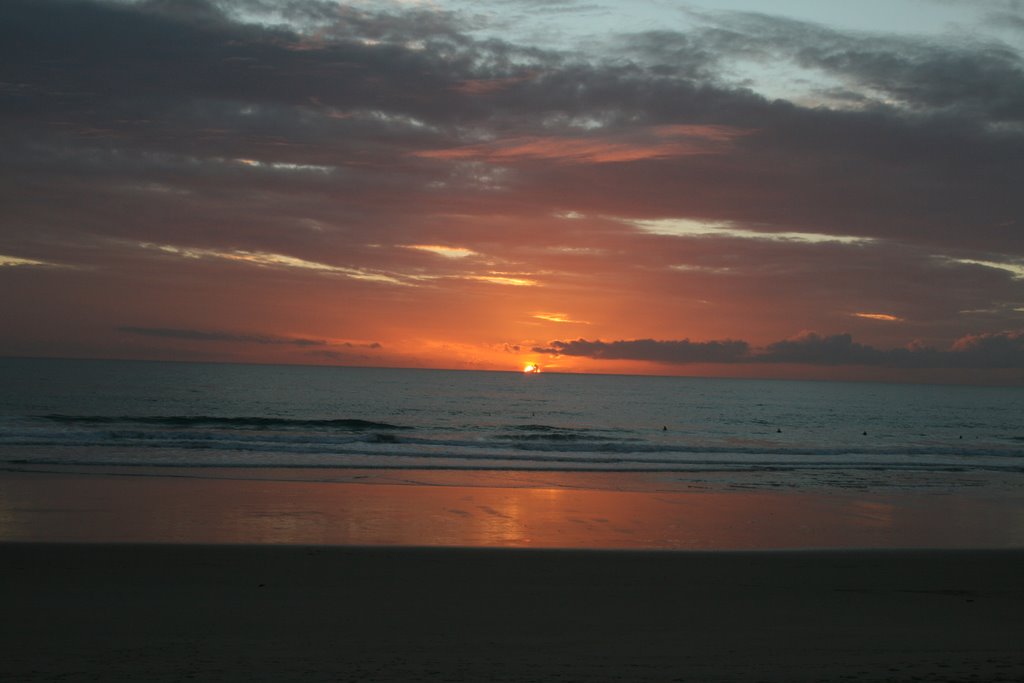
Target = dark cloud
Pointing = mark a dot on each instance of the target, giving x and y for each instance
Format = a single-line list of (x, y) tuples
[(149, 92), (219, 336), (1004, 349), (996, 350), (930, 75), (682, 351), (839, 349), (999, 350)]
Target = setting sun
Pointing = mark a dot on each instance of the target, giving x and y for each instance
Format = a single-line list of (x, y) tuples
[(531, 367)]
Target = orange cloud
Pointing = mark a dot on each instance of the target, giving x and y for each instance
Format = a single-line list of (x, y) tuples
[(879, 316), (502, 279), (558, 318), (659, 142), (442, 250)]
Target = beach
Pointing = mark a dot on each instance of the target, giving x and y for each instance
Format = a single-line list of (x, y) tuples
[(88, 612), (113, 576)]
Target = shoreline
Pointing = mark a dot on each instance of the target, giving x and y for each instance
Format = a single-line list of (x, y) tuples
[(108, 612)]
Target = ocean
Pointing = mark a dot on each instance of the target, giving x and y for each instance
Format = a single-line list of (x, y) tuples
[(276, 419)]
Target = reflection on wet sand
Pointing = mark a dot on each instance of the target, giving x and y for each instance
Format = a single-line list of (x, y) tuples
[(565, 511)]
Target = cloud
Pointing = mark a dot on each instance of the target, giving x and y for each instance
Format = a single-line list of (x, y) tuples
[(884, 317), (484, 86), (682, 351), (17, 261), (1016, 269), (960, 77), (814, 349), (659, 142), (1002, 349), (992, 350), (683, 227), (220, 336), (563, 318), (502, 279), (253, 338), (261, 258), (442, 250)]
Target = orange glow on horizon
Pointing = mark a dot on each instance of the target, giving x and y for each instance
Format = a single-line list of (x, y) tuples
[(531, 368)]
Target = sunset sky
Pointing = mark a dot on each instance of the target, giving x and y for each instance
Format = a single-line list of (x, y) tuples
[(802, 188)]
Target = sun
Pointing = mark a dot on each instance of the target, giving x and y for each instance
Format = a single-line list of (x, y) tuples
[(531, 367)]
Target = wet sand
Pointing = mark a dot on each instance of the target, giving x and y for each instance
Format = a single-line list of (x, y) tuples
[(90, 612), (498, 509)]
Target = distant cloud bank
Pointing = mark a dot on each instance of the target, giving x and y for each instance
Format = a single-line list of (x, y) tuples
[(242, 337), (999, 350)]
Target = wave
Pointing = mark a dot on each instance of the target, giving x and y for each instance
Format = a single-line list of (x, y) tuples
[(241, 441), (552, 433), (543, 428), (372, 442), (556, 436), (218, 421)]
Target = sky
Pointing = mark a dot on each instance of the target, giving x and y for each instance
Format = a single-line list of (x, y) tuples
[(796, 189)]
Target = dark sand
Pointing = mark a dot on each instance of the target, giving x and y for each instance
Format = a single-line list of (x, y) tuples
[(242, 613)]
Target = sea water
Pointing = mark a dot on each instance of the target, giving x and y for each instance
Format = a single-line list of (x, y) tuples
[(96, 413)]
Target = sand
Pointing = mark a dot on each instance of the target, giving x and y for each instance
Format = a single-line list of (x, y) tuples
[(223, 576), (95, 612)]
